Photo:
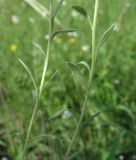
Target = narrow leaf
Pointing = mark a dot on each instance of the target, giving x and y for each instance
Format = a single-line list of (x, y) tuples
[(57, 8), (55, 11), (29, 72), (89, 119), (85, 64), (39, 48), (62, 31), (56, 115), (81, 10), (72, 67), (106, 35), (78, 79)]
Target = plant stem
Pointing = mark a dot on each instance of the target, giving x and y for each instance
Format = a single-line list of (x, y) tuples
[(29, 129), (45, 66), (41, 85), (89, 81)]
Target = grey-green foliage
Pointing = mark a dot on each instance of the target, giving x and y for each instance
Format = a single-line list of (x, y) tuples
[(37, 93), (90, 67), (81, 10), (106, 35)]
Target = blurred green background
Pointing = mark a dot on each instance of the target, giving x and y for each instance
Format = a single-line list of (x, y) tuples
[(112, 134)]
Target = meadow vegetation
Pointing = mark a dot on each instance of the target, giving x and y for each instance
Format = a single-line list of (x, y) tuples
[(106, 130)]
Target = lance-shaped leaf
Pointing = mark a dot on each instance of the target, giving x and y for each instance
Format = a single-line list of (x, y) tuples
[(55, 11), (81, 10), (88, 120), (106, 35), (85, 64), (56, 115), (29, 72), (62, 31), (78, 79), (57, 8)]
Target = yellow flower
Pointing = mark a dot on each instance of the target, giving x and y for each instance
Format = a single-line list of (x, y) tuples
[(13, 47), (72, 40)]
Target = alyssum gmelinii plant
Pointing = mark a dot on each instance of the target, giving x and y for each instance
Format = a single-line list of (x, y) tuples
[(38, 88), (91, 68)]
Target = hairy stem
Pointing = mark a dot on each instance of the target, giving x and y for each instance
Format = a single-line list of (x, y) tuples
[(89, 81), (39, 93), (29, 130)]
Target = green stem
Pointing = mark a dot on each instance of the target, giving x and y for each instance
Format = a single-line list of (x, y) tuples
[(45, 66), (47, 54), (41, 86), (89, 81), (29, 129)]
